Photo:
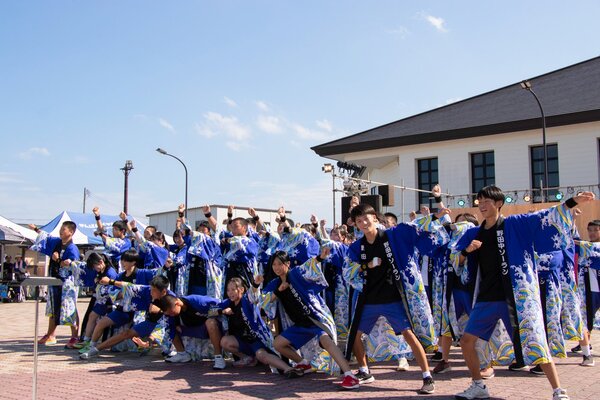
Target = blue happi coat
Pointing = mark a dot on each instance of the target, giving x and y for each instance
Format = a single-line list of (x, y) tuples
[(424, 234), (516, 240), (299, 245), (589, 281), (207, 248), (115, 247), (253, 319), (71, 277), (241, 250)]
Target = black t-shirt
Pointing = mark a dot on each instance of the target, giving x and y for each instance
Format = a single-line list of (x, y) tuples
[(198, 272), (188, 317), (154, 317), (488, 256), (294, 307), (238, 326), (380, 287), (54, 266)]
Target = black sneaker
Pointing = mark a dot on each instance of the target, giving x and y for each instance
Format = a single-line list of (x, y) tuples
[(576, 349), (294, 373), (437, 356), (517, 367), (537, 370), (428, 386), (364, 377)]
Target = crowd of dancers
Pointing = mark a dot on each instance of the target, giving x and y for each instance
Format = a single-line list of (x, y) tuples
[(300, 298)]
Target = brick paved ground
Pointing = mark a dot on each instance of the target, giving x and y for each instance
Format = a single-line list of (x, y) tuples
[(129, 376)]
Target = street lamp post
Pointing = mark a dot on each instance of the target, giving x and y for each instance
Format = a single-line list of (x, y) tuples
[(329, 168), (161, 151), (527, 86), (126, 170)]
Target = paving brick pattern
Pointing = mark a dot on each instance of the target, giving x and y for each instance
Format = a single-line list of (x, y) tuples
[(131, 376)]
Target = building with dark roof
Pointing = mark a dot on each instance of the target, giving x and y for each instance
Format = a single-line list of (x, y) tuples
[(495, 137)]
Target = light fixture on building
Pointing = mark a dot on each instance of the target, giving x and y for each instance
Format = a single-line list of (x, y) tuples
[(559, 196), (476, 202), (461, 203), (509, 199), (527, 197), (327, 168)]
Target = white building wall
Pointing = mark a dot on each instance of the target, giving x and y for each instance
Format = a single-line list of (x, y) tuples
[(577, 156)]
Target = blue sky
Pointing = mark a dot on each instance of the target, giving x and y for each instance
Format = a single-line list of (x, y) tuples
[(240, 90)]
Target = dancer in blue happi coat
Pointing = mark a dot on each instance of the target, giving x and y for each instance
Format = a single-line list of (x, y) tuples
[(239, 256), (153, 249), (382, 267), (137, 298), (508, 287), (61, 306), (294, 296), (193, 316), (119, 316), (101, 265), (248, 336), (589, 287), (117, 244), (298, 243)]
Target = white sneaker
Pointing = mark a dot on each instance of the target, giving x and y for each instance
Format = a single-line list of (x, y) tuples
[(402, 364), (91, 353), (588, 361), (560, 395), (474, 392), (182, 357), (219, 363)]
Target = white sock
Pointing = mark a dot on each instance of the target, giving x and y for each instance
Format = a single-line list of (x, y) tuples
[(363, 369), (478, 382), (558, 389), (348, 373), (87, 338), (304, 361), (586, 350), (426, 374), (93, 344)]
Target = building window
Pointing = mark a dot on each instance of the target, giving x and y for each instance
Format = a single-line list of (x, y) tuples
[(482, 170), (427, 178), (537, 172)]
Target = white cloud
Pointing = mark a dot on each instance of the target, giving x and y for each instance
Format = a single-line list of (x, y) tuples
[(32, 152), (262, 106), (400, 31), (166, 124), (205, 131), (269, 124), (231, 103), (215, 124), (309, 134), (437, 22), (325, 125)]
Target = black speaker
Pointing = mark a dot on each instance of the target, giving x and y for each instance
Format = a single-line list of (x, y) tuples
[(387, 195), (373, 200)]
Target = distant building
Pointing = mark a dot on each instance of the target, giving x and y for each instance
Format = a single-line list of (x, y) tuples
[(492, 138), (165, 221)]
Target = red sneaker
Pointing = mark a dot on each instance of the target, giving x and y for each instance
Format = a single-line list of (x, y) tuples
[(349, 382), (71, 343), (306, 368)]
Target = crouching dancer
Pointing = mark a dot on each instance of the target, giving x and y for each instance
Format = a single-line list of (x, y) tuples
[(145, 299), (193, 317), (248, 336), (294, 295)]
